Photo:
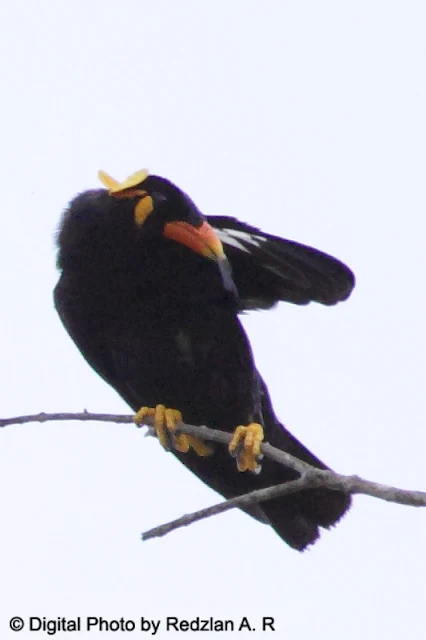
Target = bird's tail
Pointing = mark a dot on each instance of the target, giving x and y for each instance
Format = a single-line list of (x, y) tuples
[(297, 518)]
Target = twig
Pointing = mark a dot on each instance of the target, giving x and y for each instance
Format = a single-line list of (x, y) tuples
[(312, 479), (310, 476), (241, 501), (205, 433), (55, 417)]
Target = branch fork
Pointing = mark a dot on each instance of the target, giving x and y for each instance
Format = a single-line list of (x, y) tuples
[(310, 477)]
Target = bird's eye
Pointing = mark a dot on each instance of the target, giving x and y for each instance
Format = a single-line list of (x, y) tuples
[(159, 199), (147, 204)]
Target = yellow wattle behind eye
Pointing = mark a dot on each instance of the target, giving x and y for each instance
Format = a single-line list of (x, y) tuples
[(144, 207)]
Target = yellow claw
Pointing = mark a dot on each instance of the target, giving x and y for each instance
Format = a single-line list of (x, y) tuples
[(166, 423), (245, 446), (201, 448)]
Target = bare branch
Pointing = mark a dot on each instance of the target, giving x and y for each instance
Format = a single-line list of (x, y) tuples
[(205, 433), (310, 476), (55, 417), (241, 501), (312, 479)]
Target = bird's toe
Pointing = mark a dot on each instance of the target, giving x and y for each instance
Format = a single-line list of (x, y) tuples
[(245, 447), (166, 425)]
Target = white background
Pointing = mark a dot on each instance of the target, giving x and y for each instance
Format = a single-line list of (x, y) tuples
[(307, 119)]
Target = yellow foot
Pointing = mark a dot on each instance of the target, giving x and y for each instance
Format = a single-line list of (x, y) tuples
[(166, 424), (245, 446)]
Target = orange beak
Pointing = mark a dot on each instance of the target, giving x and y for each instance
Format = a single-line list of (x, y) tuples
[(202, 240)]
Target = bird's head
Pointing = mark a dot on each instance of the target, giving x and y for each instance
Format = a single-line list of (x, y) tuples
[(143, 209), (161, 207)]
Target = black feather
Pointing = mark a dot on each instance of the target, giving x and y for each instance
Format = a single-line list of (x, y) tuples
[(159, 323), (270, 269)]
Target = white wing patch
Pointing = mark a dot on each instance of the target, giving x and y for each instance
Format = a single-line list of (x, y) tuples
[(249, 238), (239, 239), (232, 242)]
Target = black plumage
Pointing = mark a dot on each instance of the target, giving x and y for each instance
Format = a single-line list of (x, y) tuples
[(151, 298)]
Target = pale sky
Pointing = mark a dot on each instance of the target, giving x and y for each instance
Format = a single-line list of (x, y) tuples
[(307, 119)]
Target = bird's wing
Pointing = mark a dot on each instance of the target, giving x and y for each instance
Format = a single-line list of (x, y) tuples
[(268, 269)]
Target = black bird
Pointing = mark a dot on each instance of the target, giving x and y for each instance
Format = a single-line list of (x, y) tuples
[(150, 291)]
